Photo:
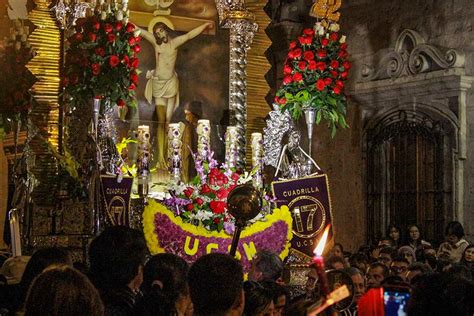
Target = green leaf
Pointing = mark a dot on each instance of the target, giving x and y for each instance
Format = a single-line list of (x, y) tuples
[(333, 130), (318, 117)]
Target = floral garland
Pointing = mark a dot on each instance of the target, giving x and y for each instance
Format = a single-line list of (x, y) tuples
[(101, 61), (314, 74), (16, 80), (203, 202), (164, 232)]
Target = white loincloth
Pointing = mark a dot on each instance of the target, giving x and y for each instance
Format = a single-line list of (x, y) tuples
[(162, 88)]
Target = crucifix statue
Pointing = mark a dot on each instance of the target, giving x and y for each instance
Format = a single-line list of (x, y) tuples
[(162, 88)]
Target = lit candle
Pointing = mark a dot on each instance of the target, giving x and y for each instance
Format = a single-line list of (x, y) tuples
[(15, 232), (318, 261)]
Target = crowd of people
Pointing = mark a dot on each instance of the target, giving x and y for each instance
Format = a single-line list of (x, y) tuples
[(123, 279)]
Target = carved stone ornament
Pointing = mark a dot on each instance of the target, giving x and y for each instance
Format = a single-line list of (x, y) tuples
[(411, 56)]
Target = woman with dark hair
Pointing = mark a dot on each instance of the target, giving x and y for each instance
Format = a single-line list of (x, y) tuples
[(62, 290), (165, 287), (455, 244), (467, 259), (258, 299), (40, 260), (414, 238), (395, 234)]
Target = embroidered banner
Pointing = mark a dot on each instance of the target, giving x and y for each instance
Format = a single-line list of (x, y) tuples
[(164, 232), (117, 199), (309, 202)]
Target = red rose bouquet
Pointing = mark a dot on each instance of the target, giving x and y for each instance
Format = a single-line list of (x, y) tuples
[(314, 74), (101, 61), (15, 82)]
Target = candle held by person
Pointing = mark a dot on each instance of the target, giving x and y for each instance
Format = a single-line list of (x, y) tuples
[(318, 261)]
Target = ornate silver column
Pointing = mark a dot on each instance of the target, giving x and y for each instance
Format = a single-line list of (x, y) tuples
[(241, 23)]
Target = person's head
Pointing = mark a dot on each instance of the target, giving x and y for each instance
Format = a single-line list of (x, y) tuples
[(399, 266), (336, 262), (62, 290), (116, 258), (360, 261), (460, 271), (468, 255), (358, 280), (215, 284), (454, 232), (193, 111), (258, 299), (386, 255), (338, 250), (40, 260), (266, 265), (161, 32), (376, 273), (408, 253), (394, 232), (280, 296), (385, 242), (431, 261), (165, 279), (415, 269), (414, 233)]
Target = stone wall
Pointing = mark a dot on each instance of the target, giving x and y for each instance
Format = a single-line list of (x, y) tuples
[(372, 26)]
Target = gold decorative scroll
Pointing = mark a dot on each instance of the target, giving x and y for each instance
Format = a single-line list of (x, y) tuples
[(257, 67), (46, 43), (326, 10)]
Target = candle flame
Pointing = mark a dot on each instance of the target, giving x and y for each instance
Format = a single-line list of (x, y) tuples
[(318, 251)]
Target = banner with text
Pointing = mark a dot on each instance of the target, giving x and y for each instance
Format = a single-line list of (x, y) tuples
[(117, 199), (309, 202)]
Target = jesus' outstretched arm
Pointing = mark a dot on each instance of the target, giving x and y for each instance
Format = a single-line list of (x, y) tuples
[(180, 40)]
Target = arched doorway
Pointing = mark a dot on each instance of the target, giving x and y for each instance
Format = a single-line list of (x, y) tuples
[(409, 160)]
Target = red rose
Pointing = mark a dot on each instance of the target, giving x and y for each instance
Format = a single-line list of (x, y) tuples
[(327, 81), (130, 27), (334, 37), (305, 40), (347, 65), (92, 37), (218, 207), (132, 41), (334, 74), (344, 75), (312, 65), (199, 201), (205, 189), (309, 32), (324, 42), (216, 220), (114, 61), (188, 191), (96, 26), (295, 53), (344, 46), (74, 79), (134, 62), (287, 79), (235, 176), (308, 55), (108, 28), (320, 85), (120, 103), (65, 82), (321, 65), (118, 25), (95, 69), (132, 86), (297, 77), (342, 54), (138, 39), (292, 44), (322, 53), (137, 48), (100, 51), (126, 60), (78, 37), (334, 64), (340, 84), (337, 90), (222, 193), (190, 207), (302, 65), (287, 70), (111, 37), (282, 101)]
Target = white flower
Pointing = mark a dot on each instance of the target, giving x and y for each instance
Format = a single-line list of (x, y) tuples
[(137, 32), (342, 39), (334, 27)]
